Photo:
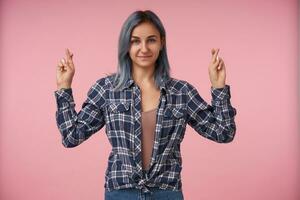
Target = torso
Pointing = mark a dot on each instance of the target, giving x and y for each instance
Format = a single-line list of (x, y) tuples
[(150, 100)]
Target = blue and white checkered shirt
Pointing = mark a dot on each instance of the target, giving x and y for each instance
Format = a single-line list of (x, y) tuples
[(180, 104)]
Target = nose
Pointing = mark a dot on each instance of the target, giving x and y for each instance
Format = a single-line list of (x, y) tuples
[(144, 47)]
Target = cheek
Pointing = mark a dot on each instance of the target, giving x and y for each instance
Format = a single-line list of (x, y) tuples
[(132, 53), (157, 52), (156, 49)]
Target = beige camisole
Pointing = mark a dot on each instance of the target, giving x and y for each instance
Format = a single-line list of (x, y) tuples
[(148, 130)]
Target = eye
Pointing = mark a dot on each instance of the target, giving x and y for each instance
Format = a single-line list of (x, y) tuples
[(134, 41), (152, 40), (137, 41)]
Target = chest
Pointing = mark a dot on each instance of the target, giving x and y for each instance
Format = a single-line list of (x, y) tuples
[(123, 115), (149, 99)]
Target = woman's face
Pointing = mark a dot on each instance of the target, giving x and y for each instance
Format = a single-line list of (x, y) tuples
[(145, 45)]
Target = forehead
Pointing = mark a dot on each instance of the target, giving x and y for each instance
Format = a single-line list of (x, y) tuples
[(145, 29)]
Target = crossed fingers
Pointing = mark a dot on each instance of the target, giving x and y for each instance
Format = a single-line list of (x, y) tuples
[(68, 62)]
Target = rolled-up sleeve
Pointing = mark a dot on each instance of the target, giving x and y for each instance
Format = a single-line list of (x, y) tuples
[(215, 121), (78, 127)]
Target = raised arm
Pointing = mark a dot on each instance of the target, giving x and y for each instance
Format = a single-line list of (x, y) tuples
[(77, 127), (214, 122)]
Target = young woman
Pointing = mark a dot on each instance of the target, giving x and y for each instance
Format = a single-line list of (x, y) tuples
[(145, 112)]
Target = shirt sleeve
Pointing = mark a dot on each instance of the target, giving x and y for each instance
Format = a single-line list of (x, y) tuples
[(78, 127), (216, 121)]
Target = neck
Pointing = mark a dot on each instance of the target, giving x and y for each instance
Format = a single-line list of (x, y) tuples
[(143, 76)]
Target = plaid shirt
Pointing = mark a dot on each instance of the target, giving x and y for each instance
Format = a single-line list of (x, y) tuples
[(120, 111)]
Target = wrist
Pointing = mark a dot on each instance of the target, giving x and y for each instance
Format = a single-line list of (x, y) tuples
[(63, 87), (218, 86)]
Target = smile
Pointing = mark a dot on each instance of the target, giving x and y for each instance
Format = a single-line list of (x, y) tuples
[(144, 56)]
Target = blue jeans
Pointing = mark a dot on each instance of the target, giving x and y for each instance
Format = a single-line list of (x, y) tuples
[(137, 194)]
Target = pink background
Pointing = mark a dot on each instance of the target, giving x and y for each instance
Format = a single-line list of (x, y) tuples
[(258, 42)]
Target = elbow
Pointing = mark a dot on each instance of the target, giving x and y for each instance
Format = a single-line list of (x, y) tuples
[(71, 139), (227, 136), (227, 140), (67, 144)]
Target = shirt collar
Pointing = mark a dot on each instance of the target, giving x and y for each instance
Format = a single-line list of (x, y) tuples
[(130, 82)]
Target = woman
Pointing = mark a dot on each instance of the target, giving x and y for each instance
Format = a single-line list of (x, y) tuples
[(145, 112)]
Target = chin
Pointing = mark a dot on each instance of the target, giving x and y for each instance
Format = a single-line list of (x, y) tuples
[(144, 64)]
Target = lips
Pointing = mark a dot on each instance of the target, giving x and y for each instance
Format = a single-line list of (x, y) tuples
[(144, 56)]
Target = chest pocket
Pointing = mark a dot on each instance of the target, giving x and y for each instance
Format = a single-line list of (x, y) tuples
[(173, 122), (118, 107), (120, 120)]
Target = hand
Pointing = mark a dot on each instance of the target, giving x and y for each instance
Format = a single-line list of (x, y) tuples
[(216, 70), (65, 71)]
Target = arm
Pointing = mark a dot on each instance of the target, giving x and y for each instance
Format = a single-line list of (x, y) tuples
[(214, 122), (78, 127)]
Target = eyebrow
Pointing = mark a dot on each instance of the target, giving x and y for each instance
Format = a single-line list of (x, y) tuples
[(148, 36)]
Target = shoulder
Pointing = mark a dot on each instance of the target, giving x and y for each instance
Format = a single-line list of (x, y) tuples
[(178, 85), (105, 81), (101, 85)]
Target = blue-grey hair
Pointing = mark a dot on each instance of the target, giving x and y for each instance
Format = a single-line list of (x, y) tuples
[(162, 68)]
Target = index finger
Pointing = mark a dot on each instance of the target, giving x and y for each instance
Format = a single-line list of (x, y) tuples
[(215, 54), (69, 56)]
